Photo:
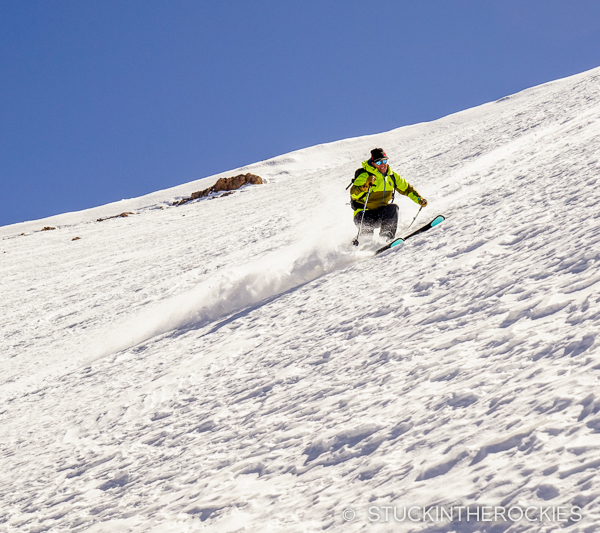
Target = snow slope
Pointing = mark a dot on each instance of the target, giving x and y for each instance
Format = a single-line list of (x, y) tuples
[(233, 365)]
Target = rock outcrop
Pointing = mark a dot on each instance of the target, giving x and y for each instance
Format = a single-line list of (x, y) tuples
[(122, 215), (224, 184)]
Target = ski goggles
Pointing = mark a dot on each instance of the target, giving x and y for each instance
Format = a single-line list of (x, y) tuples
[(380, 162)]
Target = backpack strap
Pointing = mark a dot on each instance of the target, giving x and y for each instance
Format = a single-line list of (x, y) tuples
[(394, 191)]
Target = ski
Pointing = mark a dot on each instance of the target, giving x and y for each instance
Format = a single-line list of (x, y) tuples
[(437, 220)]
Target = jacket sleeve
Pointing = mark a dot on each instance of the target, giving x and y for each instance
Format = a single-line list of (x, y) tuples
[(405, 188), (357, 187)]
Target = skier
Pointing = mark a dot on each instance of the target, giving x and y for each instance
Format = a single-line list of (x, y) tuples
[(379, 181)]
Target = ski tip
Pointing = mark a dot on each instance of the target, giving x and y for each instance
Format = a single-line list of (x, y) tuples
[(387, 247), (437, 220)]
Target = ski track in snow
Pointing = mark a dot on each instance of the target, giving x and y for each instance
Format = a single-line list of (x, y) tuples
[(228, 365)]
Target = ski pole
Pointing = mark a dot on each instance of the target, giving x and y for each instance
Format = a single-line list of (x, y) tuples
[(355, 241), (414, 218)]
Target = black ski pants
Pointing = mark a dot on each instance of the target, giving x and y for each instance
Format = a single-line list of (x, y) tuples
[(385, 216)]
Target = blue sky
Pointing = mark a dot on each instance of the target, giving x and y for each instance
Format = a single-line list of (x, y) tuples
[(101, 101)]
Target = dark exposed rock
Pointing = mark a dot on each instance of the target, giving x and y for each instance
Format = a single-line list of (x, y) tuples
[(75, 238), (47, 228), (224, 184), (116, 216)]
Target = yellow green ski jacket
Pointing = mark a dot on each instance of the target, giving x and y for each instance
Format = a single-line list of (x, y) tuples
[(382, 190)]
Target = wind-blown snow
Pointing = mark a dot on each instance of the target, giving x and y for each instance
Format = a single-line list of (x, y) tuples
[(233, 365)]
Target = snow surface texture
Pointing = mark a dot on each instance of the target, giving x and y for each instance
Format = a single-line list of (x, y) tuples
[(233, 365)]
